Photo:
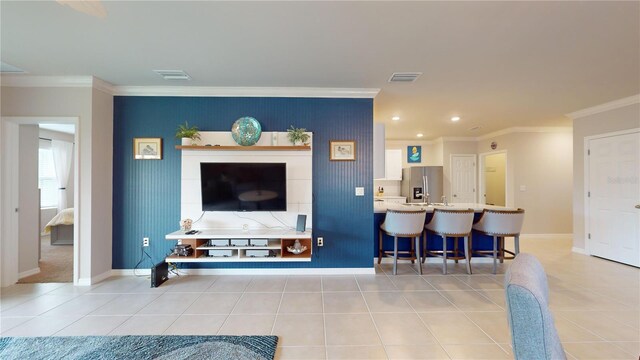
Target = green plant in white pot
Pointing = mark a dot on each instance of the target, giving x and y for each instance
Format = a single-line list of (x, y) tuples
[(297, 136), (189, 134)]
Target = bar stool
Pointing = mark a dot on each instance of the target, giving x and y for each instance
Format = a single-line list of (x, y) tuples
[(450, 223), (403, 224), (500, 223)]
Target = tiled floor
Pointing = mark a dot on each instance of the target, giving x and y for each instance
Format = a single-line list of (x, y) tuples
[(596, 304)]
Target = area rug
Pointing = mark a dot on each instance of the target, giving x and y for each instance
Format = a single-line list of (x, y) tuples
[(139, 347)]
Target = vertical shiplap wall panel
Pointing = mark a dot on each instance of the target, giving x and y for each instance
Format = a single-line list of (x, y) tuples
[(146, 197)]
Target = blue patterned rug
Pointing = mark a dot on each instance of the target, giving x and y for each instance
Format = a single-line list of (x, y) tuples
[(139, 347)]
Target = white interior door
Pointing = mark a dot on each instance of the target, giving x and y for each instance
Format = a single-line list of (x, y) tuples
[(463, 178), (614, 198)]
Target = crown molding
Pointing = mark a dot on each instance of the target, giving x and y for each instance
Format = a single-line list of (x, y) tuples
[(57, 81), (103, 86), (300, 92), (635, 99)]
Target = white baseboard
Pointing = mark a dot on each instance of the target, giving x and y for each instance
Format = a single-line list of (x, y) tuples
[(578, 250), (293, 271), (24, 274), (94, 279), (568, 236)]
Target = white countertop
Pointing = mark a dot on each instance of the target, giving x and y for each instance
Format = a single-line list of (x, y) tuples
[(381, 207)]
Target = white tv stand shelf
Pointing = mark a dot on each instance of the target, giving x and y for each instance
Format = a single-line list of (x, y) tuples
[(278, 241)]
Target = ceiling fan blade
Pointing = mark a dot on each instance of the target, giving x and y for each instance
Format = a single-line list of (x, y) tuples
[(89, 7)]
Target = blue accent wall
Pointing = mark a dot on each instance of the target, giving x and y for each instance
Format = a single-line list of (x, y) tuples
[(146, 193)]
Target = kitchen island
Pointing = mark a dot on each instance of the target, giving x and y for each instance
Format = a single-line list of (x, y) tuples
[(434, 242)]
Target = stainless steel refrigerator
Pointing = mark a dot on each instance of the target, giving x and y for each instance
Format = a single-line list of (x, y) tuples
[(419, 180)]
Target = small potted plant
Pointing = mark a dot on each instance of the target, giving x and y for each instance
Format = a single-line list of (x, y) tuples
[(297, 136), (188, 134)]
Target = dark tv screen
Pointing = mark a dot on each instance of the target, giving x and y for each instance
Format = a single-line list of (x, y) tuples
[(243, 186)]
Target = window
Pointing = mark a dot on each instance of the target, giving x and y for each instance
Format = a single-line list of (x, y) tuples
[(47, 181)]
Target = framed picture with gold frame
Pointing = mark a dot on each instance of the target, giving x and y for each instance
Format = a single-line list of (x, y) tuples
[(147, 148), (343, 150)]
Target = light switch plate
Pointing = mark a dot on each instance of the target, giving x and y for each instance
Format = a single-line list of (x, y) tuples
[(359, 191)]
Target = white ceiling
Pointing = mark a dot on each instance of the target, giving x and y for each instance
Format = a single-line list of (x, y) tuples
[(496, 64)]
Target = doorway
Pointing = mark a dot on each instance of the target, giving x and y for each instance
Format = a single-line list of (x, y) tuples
[(612, 164), (27, 256), (493, 178)]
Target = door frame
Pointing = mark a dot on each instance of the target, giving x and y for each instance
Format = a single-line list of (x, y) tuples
[(475, 180), (587, 185), (8, 239), (482, 183)]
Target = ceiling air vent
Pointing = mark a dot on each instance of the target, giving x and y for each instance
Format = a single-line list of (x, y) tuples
[(404, 76), (173, 74), (474, 128)]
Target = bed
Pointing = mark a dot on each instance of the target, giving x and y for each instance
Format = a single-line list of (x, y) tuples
[(61, 228)]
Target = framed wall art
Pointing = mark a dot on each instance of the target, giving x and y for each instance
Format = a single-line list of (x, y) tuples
[(147, 148), (344, 150)]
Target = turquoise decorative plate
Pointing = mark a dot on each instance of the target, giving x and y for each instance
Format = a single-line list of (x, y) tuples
[(246, 131)]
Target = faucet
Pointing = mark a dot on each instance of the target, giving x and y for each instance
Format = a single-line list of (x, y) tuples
[(444, 201), (428, 199)]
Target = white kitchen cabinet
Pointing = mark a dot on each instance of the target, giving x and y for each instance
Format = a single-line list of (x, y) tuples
[(393, 164)]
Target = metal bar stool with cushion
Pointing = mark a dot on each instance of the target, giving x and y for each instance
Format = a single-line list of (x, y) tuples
[(402, 223), (500, 223), (450, 223)]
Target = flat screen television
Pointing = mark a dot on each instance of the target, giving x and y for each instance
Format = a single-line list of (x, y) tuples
[(244, 186)]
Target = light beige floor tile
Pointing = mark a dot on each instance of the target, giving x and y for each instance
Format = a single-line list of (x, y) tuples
[(303, 284), (496, 296), (410, 283), (196, 325), (93, 326), (446, 282), (356, 352), (38, 305), (169, 303), (570, 332), (596, 350), (630, 318), (454, 328), (145, 325), (258, 303), (42, 326), (30, 289), (601, 325), (630, 347), (423, 301), (476, 351), (230, 283), (344, 302), (493, 323), (190, 283), (350, 329), (7, 302), (116, 285), (81, 305), (7, 323), (214, 303), (380, 302), (299, 330), (375, 283), (470, 300), (248, 325), (126, 304), (404, 268), (428, 351), (486, 282), (339, 283), (267, 284), (310, 303), (301, 353), (402, 329)]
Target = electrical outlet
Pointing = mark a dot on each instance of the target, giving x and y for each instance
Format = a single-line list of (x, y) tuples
[(145, 241), (320, 241)]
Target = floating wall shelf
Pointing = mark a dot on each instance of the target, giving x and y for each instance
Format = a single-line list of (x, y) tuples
[(244, 148)]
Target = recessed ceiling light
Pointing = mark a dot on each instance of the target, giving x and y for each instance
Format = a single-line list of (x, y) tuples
[(395, 118), (419, 135), (455, 118)]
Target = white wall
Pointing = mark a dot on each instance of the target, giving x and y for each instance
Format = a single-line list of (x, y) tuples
[(94, 155), (29, 200), (623, 118), (542, 163)]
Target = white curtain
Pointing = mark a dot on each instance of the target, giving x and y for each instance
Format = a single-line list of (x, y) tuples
[(62, 152)]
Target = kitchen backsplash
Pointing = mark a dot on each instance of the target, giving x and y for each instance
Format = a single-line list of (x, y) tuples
[(391, 187)]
